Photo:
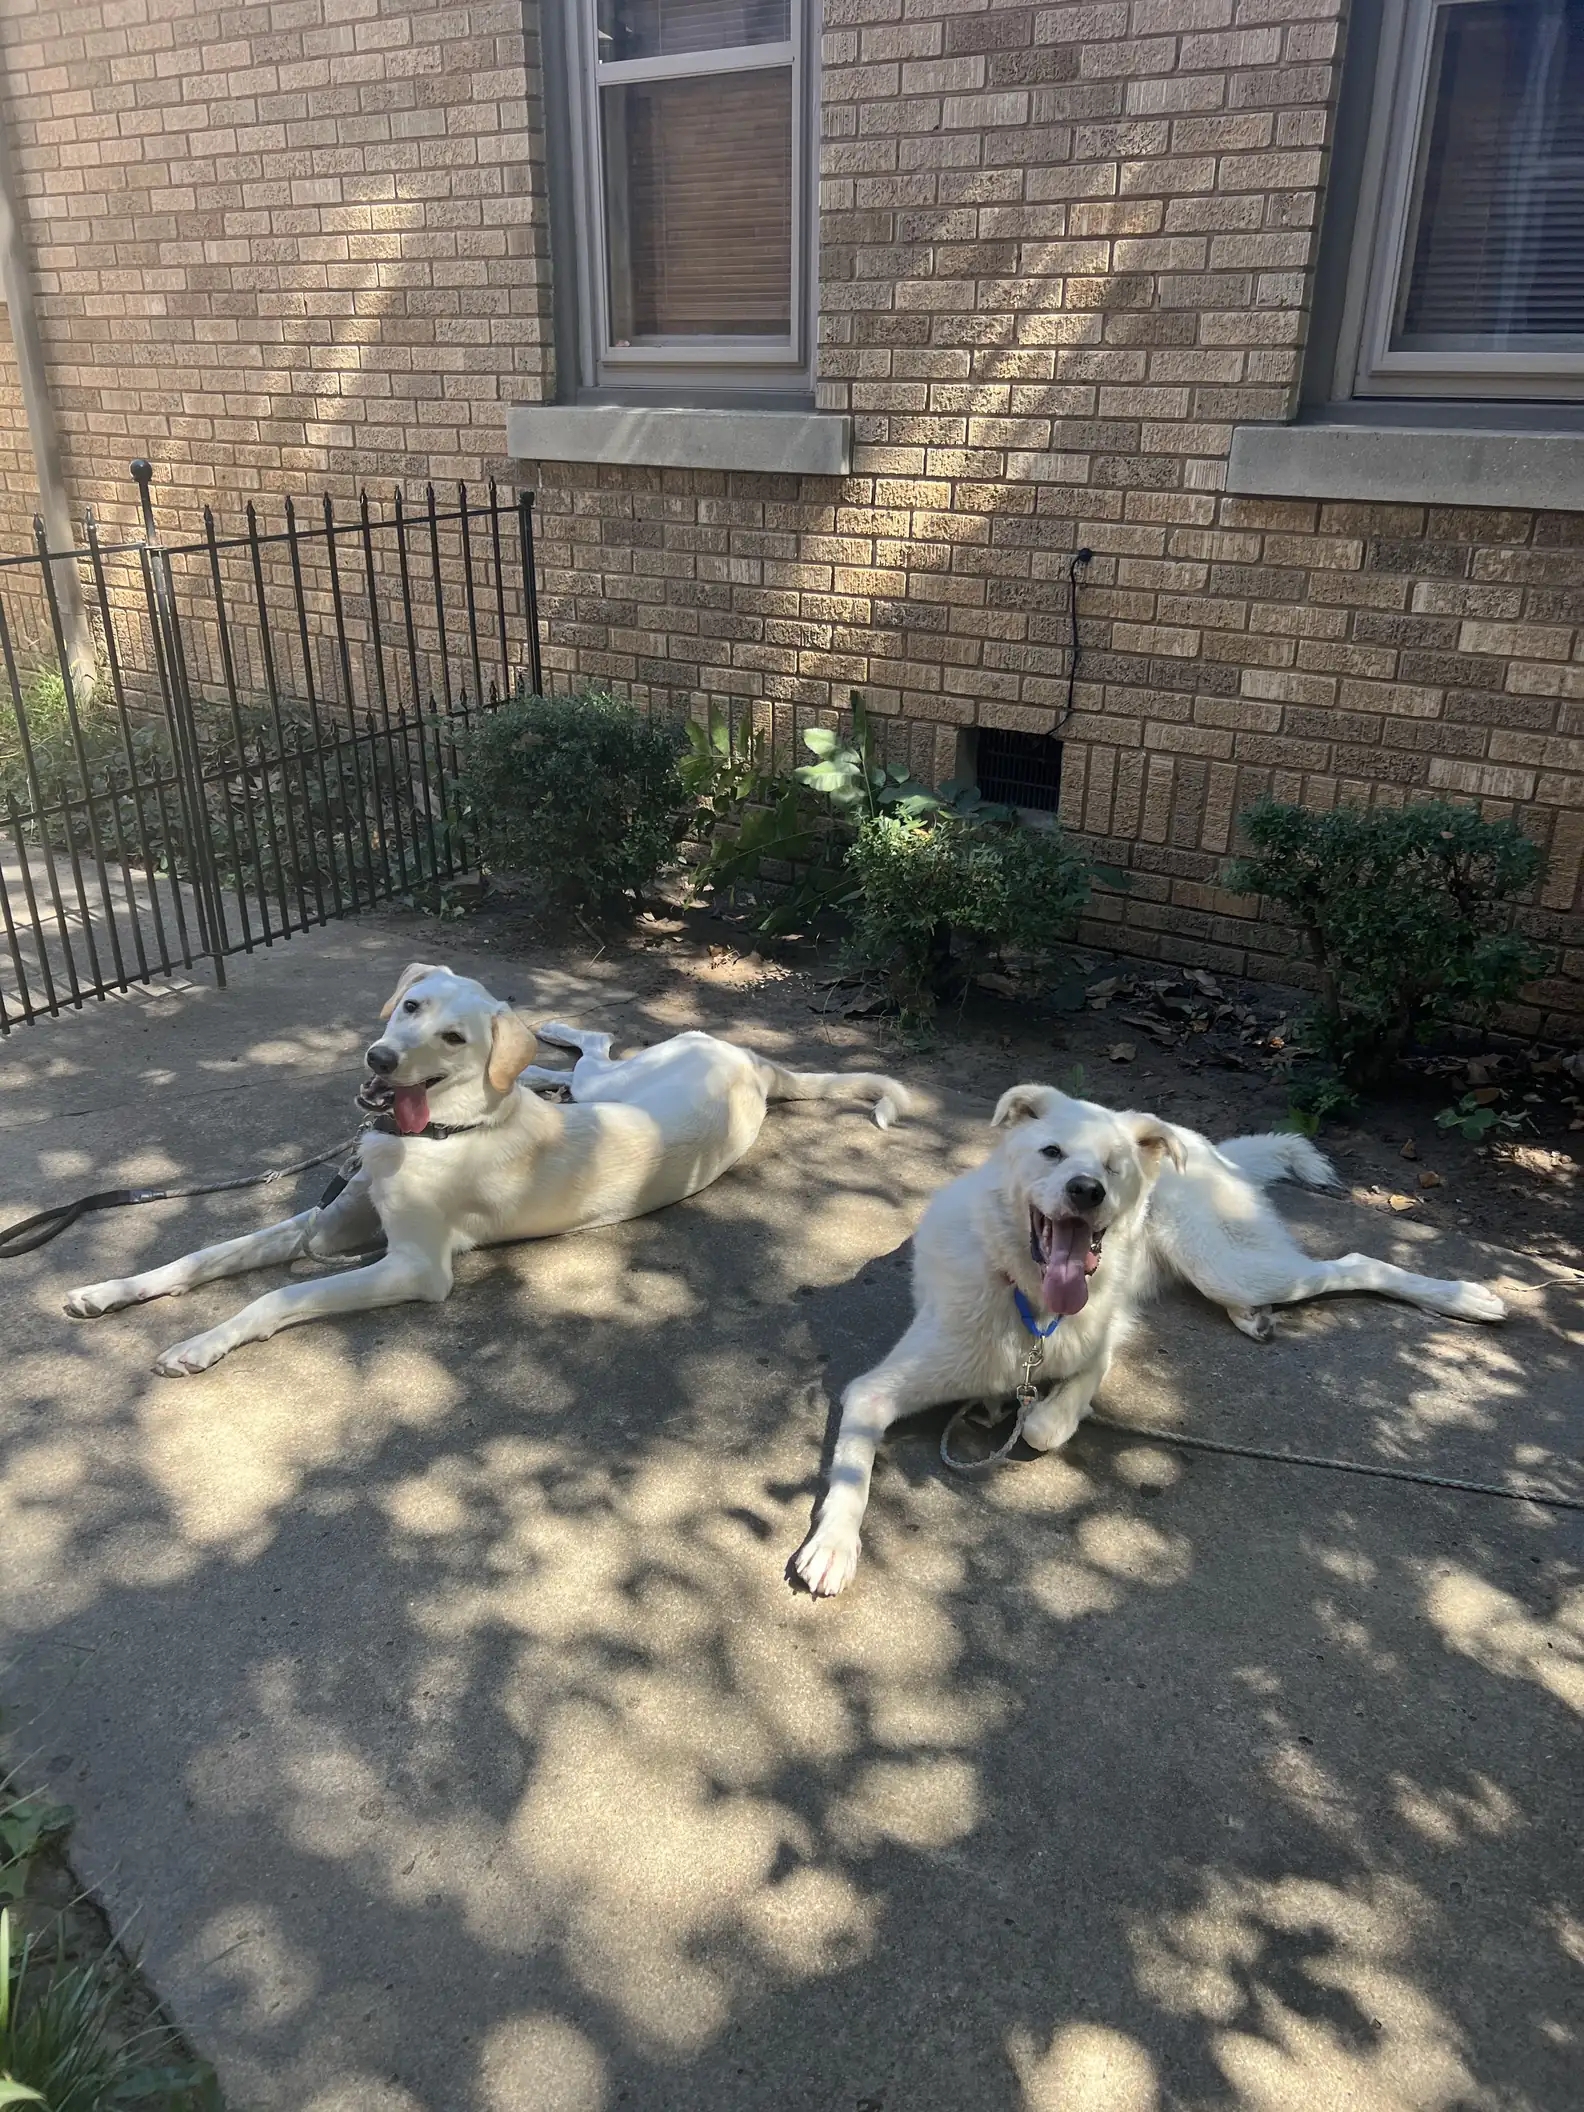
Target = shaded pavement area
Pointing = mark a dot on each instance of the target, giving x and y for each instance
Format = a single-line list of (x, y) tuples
[(439, 1715)]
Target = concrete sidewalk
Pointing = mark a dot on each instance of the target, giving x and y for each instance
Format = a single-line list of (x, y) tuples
[(437, 1711)]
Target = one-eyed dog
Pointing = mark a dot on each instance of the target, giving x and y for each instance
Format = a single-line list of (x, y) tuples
[(1072, 1219), (467, 1155)]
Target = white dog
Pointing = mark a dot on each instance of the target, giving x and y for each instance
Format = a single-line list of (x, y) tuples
[(1071, 1220), (468, 1155)]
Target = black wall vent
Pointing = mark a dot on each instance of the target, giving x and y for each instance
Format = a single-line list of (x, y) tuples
[(1019, 769)]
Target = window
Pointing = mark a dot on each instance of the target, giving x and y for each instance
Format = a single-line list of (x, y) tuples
[(1466, 273), (687, 141)]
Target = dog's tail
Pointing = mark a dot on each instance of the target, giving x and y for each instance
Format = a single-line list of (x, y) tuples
[(888, 1098), (1280, 1155)]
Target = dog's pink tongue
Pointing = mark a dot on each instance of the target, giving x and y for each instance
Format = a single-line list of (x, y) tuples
[(1065, 1289), (411, 1110)]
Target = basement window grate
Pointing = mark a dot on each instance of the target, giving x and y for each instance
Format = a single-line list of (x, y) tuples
[(1019, 769)]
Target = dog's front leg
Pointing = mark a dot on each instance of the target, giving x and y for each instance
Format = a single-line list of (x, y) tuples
[(228, 1257), (1053, 1422), (409, 1272), (900, 1386)]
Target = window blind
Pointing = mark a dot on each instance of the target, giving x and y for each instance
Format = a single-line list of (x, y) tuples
[(699, 205), (659, 29)]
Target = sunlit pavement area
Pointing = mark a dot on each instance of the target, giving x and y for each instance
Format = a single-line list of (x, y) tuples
[(444, 1730)]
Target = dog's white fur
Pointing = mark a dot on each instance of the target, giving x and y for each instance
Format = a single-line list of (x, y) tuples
[(638, 1134), (1174, 1203)]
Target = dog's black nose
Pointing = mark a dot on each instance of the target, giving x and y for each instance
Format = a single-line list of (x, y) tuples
[(1084, 1193), (382, 1060)]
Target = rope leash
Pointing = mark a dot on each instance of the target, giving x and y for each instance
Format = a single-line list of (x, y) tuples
[(981, 1413), (35, 1232), (1334, 1466), (986, 1416), (1027, 1395)]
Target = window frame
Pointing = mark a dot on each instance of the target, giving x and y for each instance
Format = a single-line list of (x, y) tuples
[(1367, 368), (702, 370)]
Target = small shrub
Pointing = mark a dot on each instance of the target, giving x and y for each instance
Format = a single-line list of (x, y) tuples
[(939, 896), (582, 795), (1401, 910)]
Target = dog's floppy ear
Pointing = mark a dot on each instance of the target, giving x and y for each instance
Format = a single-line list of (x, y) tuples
[(1023, 1103), (412, 973), (1157, 1140), (512, 1049)]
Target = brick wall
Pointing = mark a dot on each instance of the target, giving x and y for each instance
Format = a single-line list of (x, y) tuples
[(280, 244), (1063, 250)]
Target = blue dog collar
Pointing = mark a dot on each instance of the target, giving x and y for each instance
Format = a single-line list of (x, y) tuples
[(1025, 1313)]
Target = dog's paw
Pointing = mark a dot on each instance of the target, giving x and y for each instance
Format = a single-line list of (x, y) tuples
[(1050, 1426), (1477, 1303), (828, 1560), (1254, 1321), (187, 1359), (92, 1299)]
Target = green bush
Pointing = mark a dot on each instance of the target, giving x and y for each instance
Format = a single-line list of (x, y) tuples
[(941, 895), (1402, 910), (582, 795), (935, 885)]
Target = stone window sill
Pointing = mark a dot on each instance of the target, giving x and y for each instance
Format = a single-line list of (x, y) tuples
[(791, 443), (1410, 465)]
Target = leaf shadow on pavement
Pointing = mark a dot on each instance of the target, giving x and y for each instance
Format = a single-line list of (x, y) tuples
[(432, 1684)]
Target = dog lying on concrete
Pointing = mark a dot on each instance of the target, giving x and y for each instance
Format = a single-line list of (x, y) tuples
[(466, 1154), (1072, 1219)]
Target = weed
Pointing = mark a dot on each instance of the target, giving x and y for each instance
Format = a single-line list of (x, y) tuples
[(60, 2047), (935, 884), (1478, 1113), (1315, 1098)]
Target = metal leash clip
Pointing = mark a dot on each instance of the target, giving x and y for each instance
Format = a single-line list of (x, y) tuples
[(986, 1417)]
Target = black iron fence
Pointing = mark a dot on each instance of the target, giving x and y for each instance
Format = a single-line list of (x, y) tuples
[(207, 745)]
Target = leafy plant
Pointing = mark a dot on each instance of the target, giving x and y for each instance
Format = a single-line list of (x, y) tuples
[(12, 2091), (582, 795), (1402, 911), (850, 775), (1478, 1113), (1315, 1098), (938, 897), (748, 811), (60, 2046), (27, 1826), (935, 884)]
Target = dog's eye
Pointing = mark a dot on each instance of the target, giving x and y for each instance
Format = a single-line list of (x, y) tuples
[(1052, 1151), (411, 1005), (456, 1040)]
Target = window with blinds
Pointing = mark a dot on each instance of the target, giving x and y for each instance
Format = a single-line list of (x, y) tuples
[(1467, 274), (691, 131), (1495, 253), (698, 202)]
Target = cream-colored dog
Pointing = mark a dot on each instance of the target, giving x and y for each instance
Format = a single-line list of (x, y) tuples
[(1056, 1240), (468, 1155)]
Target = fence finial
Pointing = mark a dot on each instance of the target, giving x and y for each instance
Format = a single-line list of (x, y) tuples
[(143, 476)]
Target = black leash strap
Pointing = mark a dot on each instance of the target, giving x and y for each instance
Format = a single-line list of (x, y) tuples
[(35, 1232)]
